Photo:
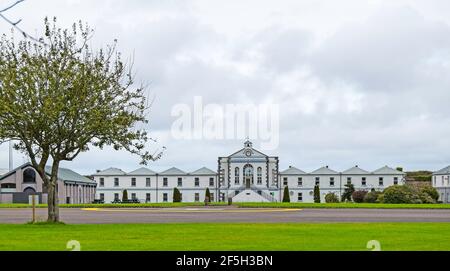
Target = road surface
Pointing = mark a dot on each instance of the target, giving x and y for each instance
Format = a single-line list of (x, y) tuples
[(226, 214)]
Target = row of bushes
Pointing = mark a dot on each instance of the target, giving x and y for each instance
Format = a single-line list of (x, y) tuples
[(414, 194)]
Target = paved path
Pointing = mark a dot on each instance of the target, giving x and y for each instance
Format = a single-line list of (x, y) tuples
[(225, 214)]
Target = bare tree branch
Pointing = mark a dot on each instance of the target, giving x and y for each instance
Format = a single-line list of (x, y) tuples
[(16, 23)]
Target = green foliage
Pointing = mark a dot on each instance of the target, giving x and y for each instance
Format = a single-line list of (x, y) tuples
[(348, 191), (316, 194), (286, 197), (176, 195), (208, 195), (399, 169), (430, 191), (358, 196), (59, 98), (372, 196), (420, 176), (400, 194), (410, 194), (125, 196), (331, 198)]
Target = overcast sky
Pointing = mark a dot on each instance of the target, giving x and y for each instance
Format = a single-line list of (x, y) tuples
[(358, 82)]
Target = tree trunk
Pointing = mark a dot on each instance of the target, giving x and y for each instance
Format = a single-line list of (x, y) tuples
[(53, 207)]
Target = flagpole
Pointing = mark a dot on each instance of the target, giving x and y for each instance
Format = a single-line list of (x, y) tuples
[(10, 155)]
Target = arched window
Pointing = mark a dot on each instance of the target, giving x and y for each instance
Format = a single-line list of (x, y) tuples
[(259, 173), (248, 171), (236, 175), (29, 176)]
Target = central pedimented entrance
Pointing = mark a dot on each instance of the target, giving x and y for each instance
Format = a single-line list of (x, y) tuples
[(248, 175)]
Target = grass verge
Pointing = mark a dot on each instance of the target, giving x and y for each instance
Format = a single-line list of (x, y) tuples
[(236, 236)]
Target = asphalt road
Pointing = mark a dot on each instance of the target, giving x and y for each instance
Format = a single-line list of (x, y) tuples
[(216, 214)]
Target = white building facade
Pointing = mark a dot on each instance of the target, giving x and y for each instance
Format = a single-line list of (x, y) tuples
[(441, 181), (247, 175)]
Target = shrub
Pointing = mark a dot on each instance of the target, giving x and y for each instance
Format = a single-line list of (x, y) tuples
[(207, 195), (372, 196), (358, 196), (331, 198), (286, 197), (400, 194), (316, 194), (348, 191), (430, 191), (176, 195), (125, 196)]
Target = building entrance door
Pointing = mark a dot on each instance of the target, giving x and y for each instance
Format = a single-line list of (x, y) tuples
[(247, 183)]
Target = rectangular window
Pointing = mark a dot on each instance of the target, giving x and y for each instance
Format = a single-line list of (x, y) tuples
[(380, 181), (395, 180), (197, 197), (363, 181), (180, 182), (133, 182), (196, 182), (133, 196), (212, 197), (102, 182), (349, 180), (299, 181), (148, 182), (165, 182), (285, 181), (317, 180), (116, 182), (147, 197), (102, 197), (300, 197), (116, 196), (331, 181), (165, 197), (211, 181)]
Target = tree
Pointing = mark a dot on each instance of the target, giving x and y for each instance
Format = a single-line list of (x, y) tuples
[(348, 191), (125, 196), (207, 195), (176, 195), (316, 194), (60, 98), (286, 197), (331, 198)]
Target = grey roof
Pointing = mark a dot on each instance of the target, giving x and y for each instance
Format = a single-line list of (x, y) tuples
[(445, 170), (110, 172), (65, 174), (203, 171), (173, 171), (388, 171), (355, 171), (142, 171), (292, 171), (324, 171)]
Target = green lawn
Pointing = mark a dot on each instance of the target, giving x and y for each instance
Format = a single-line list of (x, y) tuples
[(245, 205), (237, 236)]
